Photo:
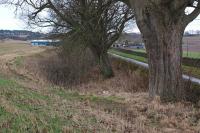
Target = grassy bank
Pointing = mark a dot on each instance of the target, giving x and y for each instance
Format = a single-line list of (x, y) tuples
[(49, 110), (30, 104), (131, 56)]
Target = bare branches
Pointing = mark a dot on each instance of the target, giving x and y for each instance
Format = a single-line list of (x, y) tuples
[(194, 14), (38, 10), (97, 22)]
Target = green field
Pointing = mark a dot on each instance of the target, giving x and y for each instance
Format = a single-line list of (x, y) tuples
[(195, 55), (131, 56)]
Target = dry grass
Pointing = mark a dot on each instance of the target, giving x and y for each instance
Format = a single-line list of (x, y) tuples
[(120, 104), (133, 111), (11, 47), (51, 67), (126, 80), (193, 43)]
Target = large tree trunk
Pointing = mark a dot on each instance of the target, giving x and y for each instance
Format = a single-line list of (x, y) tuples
[(162, 35), (164, 58), (102, 58)]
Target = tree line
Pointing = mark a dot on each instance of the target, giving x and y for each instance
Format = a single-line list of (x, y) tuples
[(97, 24), (20, 35)]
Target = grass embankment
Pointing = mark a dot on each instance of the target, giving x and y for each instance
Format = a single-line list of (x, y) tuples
[(193, 71), (131, 56), (113, 105), (48, 110), (27, 106), (120, 104)]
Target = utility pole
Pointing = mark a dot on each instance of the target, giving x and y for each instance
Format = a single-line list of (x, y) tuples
[(187, 49)]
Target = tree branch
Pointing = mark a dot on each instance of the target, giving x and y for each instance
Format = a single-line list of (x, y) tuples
[(193, 15)]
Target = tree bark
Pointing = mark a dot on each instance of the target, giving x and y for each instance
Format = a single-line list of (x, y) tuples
[(104, 64), (165, 71), (162, 35)]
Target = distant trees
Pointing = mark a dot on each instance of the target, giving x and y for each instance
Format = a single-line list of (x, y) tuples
[(96, 24), (162, 24)]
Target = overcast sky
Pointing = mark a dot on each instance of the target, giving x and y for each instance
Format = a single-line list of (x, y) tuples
[(8, 20)]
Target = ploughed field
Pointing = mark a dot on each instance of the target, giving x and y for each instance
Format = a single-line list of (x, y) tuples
[(193, 44), (31, 103)]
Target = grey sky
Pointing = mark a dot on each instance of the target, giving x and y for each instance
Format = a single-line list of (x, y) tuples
[(8, 20)]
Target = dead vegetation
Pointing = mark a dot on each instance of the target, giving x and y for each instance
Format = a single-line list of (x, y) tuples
[(93, 104), (54, 68)]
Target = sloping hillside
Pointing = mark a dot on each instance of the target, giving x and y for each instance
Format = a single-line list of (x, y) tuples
[(120, 104)]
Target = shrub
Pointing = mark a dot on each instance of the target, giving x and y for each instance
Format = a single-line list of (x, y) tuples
[(64, 65)]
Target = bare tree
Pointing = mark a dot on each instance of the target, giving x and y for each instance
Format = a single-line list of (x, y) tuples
[(162, 24), (97, 24)]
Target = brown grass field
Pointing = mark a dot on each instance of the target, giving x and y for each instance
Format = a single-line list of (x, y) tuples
[(193, 43), (30, 103)]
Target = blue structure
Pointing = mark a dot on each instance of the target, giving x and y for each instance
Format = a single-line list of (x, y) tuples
[(45, 42)]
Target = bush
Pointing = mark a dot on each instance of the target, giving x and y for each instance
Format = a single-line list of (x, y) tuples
[(64, 66)]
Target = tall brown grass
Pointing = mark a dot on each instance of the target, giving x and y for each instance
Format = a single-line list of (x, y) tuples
[(127, 108), (60, 68)]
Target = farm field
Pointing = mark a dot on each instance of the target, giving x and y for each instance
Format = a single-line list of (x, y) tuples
[(190, 44), (29, 104), (193, 43), (12, 47), (195, 55)]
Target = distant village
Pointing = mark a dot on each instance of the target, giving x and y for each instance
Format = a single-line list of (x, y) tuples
[(129, 40), (20, 35)]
